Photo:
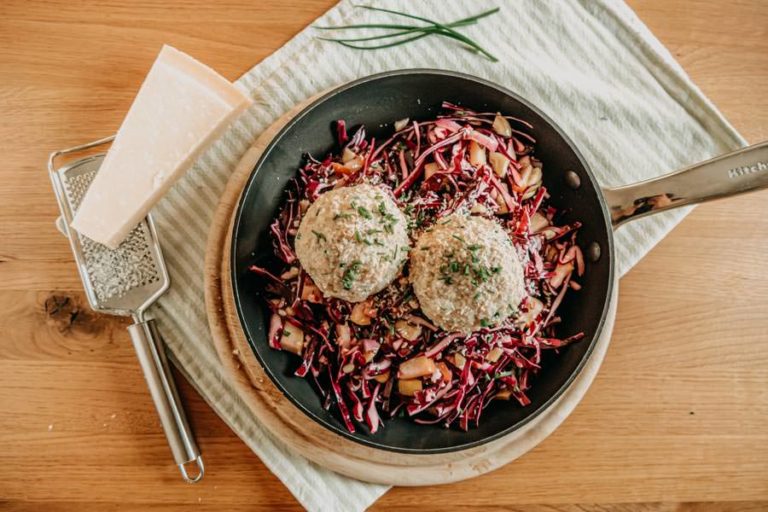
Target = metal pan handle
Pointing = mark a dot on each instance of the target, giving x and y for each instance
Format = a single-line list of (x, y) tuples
[(149, 349), (745, 170)]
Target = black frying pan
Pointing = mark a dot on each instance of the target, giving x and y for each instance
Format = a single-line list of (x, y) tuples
[(377, 101)]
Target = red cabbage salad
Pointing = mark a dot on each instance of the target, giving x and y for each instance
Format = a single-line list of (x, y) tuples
[(382, 357)]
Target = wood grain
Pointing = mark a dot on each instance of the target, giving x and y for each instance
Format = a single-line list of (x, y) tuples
[(675, 420)]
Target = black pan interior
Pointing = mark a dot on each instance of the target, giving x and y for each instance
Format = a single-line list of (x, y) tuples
[(377, 102)]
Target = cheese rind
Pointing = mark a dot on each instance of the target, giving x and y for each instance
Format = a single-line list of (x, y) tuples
[(181, 107)]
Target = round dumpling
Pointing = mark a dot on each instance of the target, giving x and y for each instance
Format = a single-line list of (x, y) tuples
[(466, 274), (353, 242)]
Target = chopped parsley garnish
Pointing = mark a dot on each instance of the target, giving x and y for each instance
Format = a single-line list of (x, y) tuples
[(363, 211), (484, 322), (319, 236), (467, 264), (341, 216), (350, 274)]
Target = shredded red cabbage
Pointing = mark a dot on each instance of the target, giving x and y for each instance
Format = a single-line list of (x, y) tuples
[(382, 357)]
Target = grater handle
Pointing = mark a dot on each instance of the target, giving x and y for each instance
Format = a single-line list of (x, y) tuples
[(151, 354)]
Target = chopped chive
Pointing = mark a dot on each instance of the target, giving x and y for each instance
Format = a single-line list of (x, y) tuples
[(350, 274)]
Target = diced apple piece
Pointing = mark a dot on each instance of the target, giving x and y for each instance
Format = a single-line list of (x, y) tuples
[(501, 126), (348, 155), (407, 330), (459, 361), (477, 155), (311, 293), (343, 335), (502, 205), (538, 222), (292, 338), (494, 355), (382, 377), (499, 163), (503, 395), (420, 366), (362, 313), (534, 179), (409, 387), (401, 123), (430, 169), (290, 274)]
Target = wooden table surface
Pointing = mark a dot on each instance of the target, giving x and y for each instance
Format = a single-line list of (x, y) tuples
[(676, 420)]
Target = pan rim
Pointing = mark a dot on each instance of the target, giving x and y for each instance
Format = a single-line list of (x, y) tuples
[(608, 252)]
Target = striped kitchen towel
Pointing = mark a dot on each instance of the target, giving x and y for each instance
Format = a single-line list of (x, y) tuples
[(591, 65)]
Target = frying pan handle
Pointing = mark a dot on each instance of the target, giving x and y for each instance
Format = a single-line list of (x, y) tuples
[(745, 170), (150, 351)]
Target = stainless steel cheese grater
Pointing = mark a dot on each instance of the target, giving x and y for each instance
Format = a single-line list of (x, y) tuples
[(126, 281)]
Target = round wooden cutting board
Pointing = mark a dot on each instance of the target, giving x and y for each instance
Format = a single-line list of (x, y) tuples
[(307, 437)]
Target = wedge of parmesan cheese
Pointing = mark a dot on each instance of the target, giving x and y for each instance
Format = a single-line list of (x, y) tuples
[(181, 107)]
